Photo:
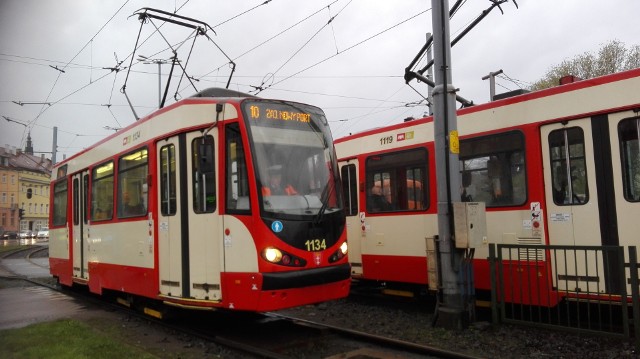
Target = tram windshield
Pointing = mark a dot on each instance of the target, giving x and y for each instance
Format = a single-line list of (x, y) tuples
[(294, 159)]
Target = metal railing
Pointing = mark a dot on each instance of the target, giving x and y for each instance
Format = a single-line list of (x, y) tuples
[(579, 288)]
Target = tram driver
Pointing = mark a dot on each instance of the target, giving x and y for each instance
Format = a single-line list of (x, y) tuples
[(274, 183)]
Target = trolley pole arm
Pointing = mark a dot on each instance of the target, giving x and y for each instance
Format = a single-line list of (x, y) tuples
[(452, 11), (495, 3), (410, 75), (148, 12), (124, 91)]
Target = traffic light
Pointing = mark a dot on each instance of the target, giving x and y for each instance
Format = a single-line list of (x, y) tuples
[(20, 213)]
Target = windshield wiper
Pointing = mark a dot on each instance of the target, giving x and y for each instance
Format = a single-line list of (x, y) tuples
[(324, 198)]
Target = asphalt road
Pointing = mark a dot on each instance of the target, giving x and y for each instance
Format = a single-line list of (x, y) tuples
[(22, 304)]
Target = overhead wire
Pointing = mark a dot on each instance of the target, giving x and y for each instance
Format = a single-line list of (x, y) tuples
[(47, 62), (43, 108), (272, 37), (115, 69), (351, 47), (517, 82), (178, 91), (359, 118), (347, 49), (69, 64), (242, 13), (333, 95), (261, 87)]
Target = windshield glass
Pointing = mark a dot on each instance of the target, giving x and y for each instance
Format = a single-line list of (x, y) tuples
[(294, 159)]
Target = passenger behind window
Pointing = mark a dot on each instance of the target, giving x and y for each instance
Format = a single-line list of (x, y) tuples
[(99, 214), (131, 207), (377, 202)]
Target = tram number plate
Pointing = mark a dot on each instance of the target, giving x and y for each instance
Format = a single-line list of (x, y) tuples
[(315, 244)]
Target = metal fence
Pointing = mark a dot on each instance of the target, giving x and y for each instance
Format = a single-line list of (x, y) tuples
[(579, 288)]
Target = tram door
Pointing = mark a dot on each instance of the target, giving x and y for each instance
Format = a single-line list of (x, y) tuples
[(79, 223), (355, 218), (585, 202), (189, 240)]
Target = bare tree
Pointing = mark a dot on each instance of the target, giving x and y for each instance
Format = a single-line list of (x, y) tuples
[(612, 57)]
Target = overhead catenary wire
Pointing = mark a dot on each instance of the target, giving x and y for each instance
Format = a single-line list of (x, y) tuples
[(359, 118), (272, 38), (114, 112), (352, 46), (295, 53), (70, 64), (43, 109), (242, 13), (519, 83)]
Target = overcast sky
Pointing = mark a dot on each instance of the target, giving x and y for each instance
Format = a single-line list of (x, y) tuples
[(352, 67)]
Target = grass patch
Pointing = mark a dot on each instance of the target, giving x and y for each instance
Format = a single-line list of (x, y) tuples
[(64, 339), (11, 247)]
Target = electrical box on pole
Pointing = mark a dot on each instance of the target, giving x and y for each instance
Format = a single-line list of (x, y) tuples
[(470, 224)]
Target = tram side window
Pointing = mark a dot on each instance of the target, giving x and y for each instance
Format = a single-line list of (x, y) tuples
[(350, 189), (629, 132), (395, 182), (568, 166), (237, 179), (85, 198), (168, 180), (132, 184), (102, 192), (60, 202), (76, 202), (203, 176), (493, 169)]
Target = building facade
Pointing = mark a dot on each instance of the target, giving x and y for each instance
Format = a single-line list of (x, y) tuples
[(9, 194), (24, 190)]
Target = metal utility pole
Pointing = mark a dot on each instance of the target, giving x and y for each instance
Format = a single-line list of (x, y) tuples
[(453, 302), (492, 82), (160, 62), (54, 150)]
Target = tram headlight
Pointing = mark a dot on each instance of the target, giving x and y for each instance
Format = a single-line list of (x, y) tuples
[(280, 257), (273, 255), (340, 253), (343, 248)]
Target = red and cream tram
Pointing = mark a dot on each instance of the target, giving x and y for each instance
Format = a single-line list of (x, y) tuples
[(554, 167), (176, 207)]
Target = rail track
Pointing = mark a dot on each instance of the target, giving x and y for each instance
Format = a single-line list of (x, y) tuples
[(268, 335), (340, 330)]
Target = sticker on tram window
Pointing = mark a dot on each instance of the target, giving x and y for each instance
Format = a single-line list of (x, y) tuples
[(277, 226)]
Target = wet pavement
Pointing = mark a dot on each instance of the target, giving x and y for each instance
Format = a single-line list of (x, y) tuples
[(24, 303)]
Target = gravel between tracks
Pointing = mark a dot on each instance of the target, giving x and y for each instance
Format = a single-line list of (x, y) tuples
[(406, 321)]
